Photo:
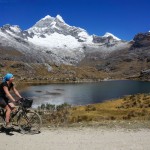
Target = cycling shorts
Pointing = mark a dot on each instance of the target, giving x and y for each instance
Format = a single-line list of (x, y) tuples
[(4, 102)]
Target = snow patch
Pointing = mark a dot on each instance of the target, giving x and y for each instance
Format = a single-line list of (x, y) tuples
[(56, 40), (107, 34), (47, 17), (85, 37), (60, 18), (15, 28)]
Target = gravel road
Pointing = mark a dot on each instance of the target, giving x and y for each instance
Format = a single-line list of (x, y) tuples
[(78, 139)]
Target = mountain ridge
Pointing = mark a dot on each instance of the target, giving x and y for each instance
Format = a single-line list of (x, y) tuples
[(56, 41), (52, 41)]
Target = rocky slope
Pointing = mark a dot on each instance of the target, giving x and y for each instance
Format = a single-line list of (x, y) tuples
[(46, 49), (54, 41), (132, 61)]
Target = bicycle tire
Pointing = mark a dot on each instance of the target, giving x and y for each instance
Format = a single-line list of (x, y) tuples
[(2, 119), (2, 122), (29, 122)]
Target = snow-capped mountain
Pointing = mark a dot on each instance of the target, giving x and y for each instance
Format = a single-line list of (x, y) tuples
[(53, 40), (54, 32)]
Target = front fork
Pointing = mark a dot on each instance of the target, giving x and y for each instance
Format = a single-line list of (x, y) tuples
[(23, 114)]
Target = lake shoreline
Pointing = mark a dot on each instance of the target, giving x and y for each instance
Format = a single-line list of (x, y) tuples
[(83, 93), (46, 82), (123, 113)]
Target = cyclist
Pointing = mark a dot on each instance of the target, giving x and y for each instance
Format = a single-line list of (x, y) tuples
[(6, 99)]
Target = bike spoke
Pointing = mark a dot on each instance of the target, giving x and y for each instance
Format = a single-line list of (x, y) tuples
[(30, 122)]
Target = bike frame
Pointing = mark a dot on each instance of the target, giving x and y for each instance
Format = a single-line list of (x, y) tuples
[(32, 119), (12, 116)]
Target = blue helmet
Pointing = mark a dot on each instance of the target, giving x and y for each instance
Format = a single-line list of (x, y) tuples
[(7, 77)]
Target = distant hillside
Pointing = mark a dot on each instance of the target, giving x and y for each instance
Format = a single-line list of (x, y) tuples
[(54, 51)]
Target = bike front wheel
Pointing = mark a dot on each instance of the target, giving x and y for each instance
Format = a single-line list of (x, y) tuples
[(29, 122)]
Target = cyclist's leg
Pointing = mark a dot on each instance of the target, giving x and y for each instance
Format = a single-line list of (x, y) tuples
[(12, 106), (4, 103), (8, 111), (7, 116)]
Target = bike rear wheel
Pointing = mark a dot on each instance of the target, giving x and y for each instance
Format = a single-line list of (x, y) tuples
[(2, 122), (29, 122), (2, 118)]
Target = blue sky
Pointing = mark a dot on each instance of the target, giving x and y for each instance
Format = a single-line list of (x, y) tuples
[(123, 18)]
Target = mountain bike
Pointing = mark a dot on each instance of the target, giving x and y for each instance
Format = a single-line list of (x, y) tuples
[(26, 119)]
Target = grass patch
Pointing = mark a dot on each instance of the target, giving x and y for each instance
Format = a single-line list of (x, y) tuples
[(120, 109), (110, 111)]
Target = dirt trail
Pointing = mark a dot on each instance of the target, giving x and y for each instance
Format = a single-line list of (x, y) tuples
[(78, 139)]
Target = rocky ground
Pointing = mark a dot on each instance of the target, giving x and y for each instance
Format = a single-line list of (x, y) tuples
[(130, 62)]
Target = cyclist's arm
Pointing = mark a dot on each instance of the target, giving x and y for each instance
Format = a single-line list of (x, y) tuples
[(8, 93), (16, 92)]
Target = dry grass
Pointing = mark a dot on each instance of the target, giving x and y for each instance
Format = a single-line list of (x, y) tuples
[(36, 72), (109, 113), (113, 110), (10, 52)]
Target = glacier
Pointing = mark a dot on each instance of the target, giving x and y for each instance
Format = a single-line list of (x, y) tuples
[(52, 40)]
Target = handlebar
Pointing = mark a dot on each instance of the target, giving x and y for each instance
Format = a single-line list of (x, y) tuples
[(25, 102)]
